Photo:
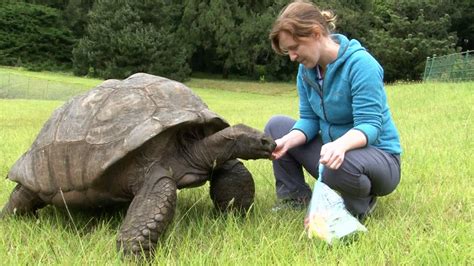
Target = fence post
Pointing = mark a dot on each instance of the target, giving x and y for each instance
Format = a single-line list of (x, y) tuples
[(45, 90), (8, 84), (425, 74), (451, 64), (27, 88), (465, 65), (431, 65)]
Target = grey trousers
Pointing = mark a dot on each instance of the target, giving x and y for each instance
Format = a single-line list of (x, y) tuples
[(365, 173)]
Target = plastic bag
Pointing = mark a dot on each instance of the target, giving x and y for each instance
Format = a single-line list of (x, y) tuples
[(327, 217)]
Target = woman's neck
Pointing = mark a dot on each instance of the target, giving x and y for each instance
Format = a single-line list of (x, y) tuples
[(330, 50)]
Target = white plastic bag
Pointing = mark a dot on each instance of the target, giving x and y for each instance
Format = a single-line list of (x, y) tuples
[(327, 217)]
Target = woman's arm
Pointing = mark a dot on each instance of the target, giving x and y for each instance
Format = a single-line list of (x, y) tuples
[(368, 101)]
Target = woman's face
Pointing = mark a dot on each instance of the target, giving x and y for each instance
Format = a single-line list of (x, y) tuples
[(304, 50)]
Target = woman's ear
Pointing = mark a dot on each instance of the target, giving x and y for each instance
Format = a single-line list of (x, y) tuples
[(316, 32)]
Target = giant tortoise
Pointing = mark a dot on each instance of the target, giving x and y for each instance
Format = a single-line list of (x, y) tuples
[(136, 140)]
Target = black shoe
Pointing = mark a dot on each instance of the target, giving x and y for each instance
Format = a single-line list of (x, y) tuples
[(372, 205), (370, 210), (297, 204)]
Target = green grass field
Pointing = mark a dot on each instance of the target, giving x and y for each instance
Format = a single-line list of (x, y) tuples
[(426, 221)]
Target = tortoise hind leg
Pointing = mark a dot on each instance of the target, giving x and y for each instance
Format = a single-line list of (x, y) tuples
[(22, 201), (232, 187), (151, 210)]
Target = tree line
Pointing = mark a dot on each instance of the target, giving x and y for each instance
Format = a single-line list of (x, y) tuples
[(175, 38)]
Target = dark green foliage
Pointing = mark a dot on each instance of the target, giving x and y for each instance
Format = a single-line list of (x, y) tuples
[(212, 29), (75, 15), (352, 17), (462, 17), (74, 12), (229, 38), (130, 37), (262, 62), (405, 33), (58, 4), (34, 36)]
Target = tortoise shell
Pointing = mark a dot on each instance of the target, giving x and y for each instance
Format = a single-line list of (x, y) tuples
[(92, 131)]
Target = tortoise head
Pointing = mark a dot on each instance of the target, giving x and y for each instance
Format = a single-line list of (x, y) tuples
[(246, 142)]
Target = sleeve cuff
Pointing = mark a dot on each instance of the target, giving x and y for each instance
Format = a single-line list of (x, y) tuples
[(371, 133), (307, 127), (366, 137), (306, 136)]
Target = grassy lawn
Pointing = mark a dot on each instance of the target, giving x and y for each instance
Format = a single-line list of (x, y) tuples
[(426, 221)]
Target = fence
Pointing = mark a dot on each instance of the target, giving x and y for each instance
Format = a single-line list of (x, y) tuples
[(13, 86), (453, 67)]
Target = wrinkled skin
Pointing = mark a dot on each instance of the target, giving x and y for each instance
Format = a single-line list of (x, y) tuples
[(147, 219)]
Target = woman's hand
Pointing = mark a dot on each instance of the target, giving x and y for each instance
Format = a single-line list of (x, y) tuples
[(290, 140), (332, 155), (280, 149)]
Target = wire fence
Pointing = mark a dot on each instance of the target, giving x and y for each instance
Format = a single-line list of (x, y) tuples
[(451, 68), (13, 86)]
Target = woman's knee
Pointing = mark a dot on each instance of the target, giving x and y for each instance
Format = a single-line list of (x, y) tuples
[(376, 167), (347, 181), (278, 126)]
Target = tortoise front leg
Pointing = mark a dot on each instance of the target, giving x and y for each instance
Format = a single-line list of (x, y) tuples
[(149, 214), (22, 201), (232, 187)]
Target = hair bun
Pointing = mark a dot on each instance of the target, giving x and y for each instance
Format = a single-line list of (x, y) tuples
[(330, 18)]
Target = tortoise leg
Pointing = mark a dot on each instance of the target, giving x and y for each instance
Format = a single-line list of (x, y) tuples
[(149, 214), (232, 187), (22, 201)]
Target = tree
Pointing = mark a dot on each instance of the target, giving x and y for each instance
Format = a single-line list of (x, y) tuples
[(75, 15), (132, 37), (231, 37), (462, 17), (169, 38), (34, 36), (212, 30), (405, 33)]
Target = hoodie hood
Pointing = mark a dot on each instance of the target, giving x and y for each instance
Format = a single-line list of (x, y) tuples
[(346, 49)]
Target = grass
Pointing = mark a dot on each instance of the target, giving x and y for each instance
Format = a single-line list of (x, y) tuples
[(17, 83), (267, 88), (427, 220)]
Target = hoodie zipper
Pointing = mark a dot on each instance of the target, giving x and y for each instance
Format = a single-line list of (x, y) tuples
[(324, 112), (320, 91)]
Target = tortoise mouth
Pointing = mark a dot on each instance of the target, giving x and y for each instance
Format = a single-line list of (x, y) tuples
[(270, 142)]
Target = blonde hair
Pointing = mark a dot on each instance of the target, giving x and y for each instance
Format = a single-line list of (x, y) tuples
[(299, 19)]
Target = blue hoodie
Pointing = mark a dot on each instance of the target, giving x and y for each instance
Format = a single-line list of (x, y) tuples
[(352, 97)]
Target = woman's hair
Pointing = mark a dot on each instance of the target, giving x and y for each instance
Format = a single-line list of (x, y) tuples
[(299, 19)]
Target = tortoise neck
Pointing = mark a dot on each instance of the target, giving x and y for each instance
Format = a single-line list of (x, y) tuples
[(211, 151)]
